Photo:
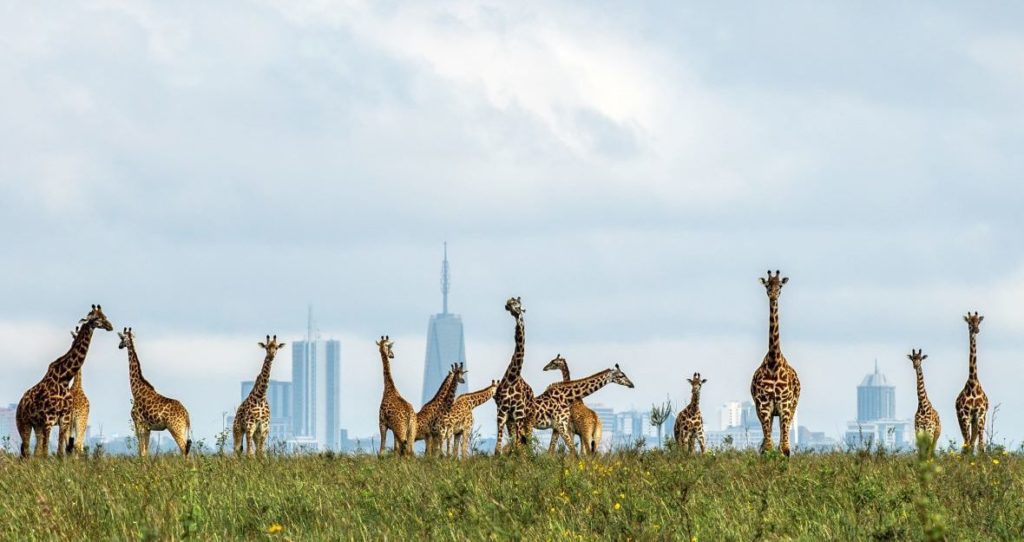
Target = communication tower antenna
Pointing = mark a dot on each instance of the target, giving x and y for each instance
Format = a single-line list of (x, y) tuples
[(446, 279)]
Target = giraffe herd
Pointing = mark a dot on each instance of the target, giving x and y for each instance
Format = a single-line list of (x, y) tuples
[(446, 421)]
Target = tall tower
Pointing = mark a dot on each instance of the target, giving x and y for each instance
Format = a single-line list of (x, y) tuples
[(876, 398), (316, 383), (446, 343)]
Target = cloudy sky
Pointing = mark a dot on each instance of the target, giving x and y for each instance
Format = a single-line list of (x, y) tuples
[(205, 171)]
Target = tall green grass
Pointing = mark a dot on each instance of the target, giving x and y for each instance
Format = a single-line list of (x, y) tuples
[(651, 495)]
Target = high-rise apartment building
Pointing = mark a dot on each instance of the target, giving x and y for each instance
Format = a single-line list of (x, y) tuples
[(316, 389), (730, 414), (876, 398)]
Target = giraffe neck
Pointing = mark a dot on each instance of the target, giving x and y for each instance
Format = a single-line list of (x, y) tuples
[(259, 388), (389, 384), (64, 368), (77, 384), (478, 398), (972, 373), (446, 389), (695, 399), (578, 389), (922, 396), (515, 366), (774, 348), (565, 373), (139, 384)]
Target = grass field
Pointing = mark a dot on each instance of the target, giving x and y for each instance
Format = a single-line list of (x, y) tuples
[(651, 495)]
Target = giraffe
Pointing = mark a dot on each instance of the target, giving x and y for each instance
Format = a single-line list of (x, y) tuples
[(150, 410), (582, 420), (926, 420), (252, 419), (550, 410), (428, 419), (775, 387), (396, 413), (457, 424), (79, 418), (514, 396), (972, 403), (48, 403), (689, 425)]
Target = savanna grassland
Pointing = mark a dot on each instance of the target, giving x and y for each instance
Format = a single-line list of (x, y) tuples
[(649, 495)]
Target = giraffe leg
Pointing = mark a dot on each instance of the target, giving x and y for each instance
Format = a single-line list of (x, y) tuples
[(784, 420), (142, 433), (700, 439), (979, 431), (63, 428), (567, 438), (410, 439), (502, 422), (25, 432), (178, 433), (383, 435), (43, 441), (766, 430), (248, 442), (237, 436), (260, 438), (595, 439), (80, 436), (965, 429)]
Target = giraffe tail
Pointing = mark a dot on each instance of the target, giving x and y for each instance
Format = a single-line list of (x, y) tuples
[(188, 446), (70, 447)]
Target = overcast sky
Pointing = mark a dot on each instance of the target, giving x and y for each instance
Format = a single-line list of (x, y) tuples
[(206, 170)]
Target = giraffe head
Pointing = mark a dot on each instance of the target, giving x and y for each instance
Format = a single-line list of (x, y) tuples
[(384, 346), (96, 319), (973, 322), (773, 283), (916, 357), (620, 377), (459, 372), (514, 306), (696, 382), (127, 337), (271, 345), (556, 364)]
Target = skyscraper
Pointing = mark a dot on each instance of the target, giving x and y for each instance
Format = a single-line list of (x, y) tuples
[(730, 414), (279, 397), (316, 386), (446, 343), (876, 398)]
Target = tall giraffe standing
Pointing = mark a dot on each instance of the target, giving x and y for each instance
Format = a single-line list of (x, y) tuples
[(428, 419), (972, 403), (514, 396), (775, 387), (689, 425), (396, 413), (150, 410), (582, 420), (79, 417), (550, 410), (252, 419), (457, 424), (48, 403), (926, 420)]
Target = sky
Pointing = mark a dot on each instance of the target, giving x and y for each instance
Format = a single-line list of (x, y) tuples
[(207, 170)]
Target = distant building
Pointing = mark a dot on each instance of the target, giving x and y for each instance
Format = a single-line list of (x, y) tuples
[(279, 397), (876, 398), (8, 426), (730, 414), (446, 343), (607, 417), (876, 423), (316, 391)]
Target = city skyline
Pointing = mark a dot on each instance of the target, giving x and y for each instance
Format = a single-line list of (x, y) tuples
[(628, 171), (446, 342)]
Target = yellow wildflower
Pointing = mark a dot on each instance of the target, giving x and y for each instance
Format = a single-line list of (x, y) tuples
[(618, 506), (995, 461), (274, 528)]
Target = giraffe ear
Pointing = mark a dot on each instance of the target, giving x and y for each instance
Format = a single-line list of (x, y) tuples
[(262, 344), (924, 357), (785, 280), (980, 318), (704, 381), (281, 345), (763, 281)]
